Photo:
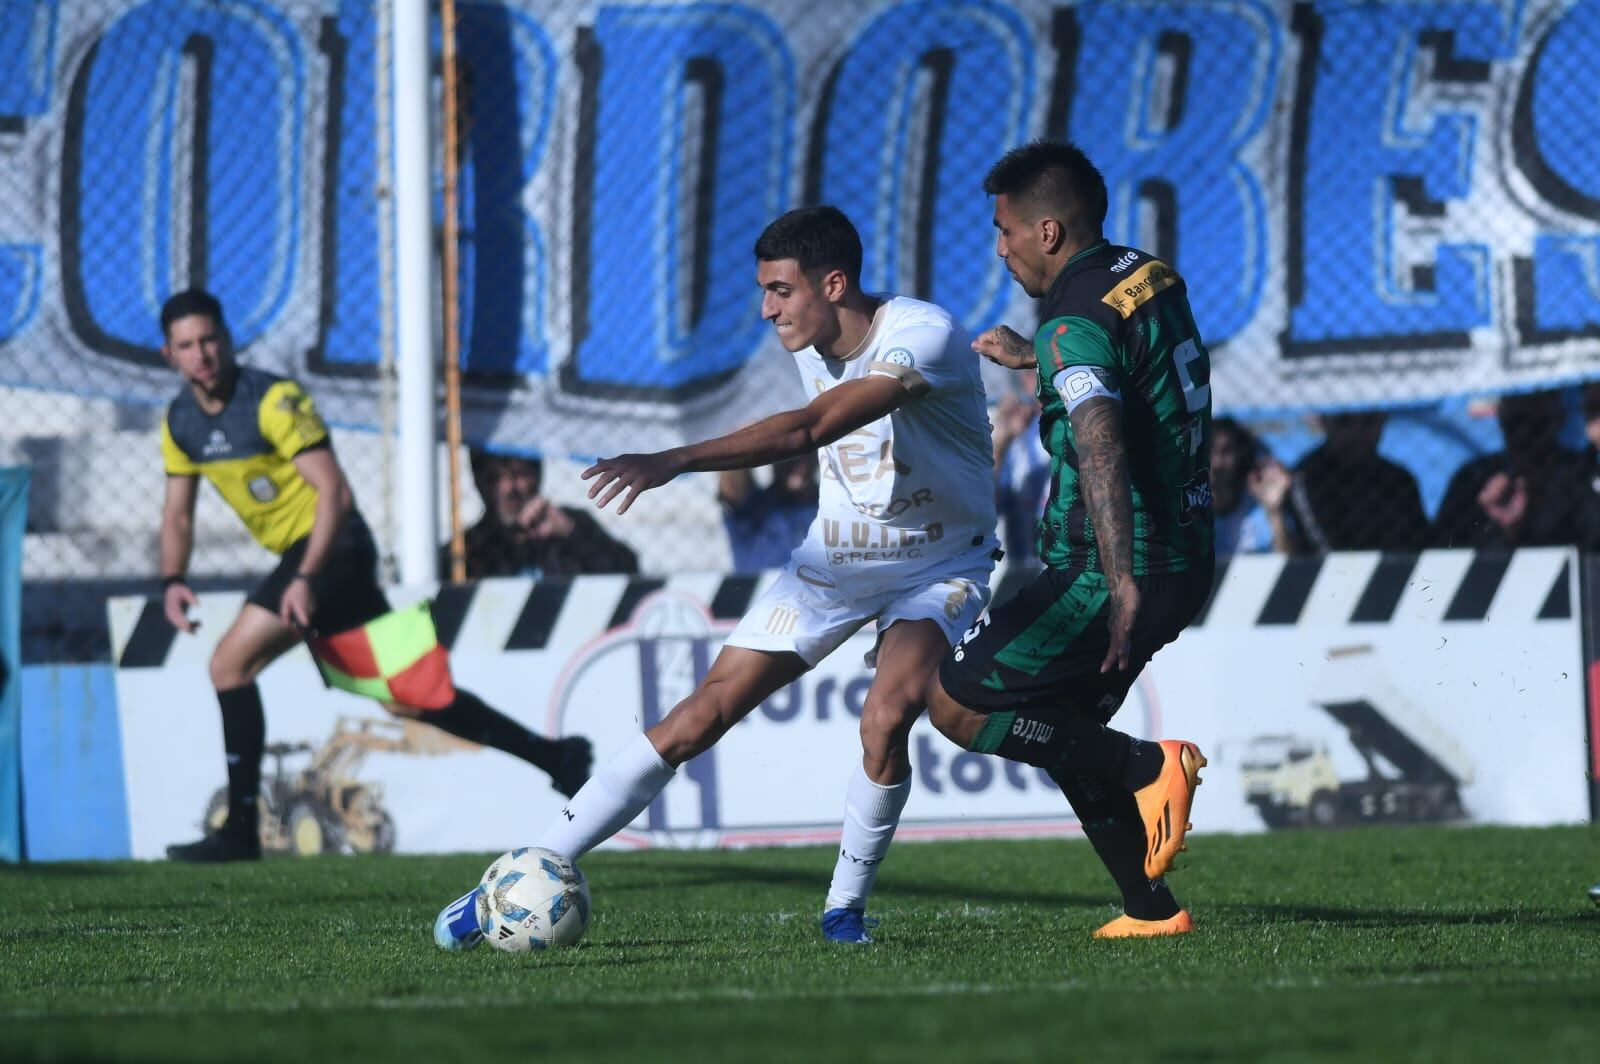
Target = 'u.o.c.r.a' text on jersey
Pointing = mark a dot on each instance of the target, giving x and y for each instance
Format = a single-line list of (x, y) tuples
[(247, 450), (917, 485), (1117, 322)]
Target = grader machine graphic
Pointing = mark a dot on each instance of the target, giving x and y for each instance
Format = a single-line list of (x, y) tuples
[(1414, 769), (323, 807)]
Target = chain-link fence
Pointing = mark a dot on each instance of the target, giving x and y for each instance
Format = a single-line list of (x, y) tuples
[(148, 147), (1377, 207)]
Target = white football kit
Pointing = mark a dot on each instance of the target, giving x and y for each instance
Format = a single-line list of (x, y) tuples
[(905, 525)]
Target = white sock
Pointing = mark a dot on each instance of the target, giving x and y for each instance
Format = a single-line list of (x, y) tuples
[(605, 805), (871, 813)]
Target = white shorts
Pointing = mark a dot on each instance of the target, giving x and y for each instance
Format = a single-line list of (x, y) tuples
[(806, 612)]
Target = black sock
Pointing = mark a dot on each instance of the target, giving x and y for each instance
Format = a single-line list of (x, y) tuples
[(1070, 744), (1110, 818), (244, 733), (470, 718)]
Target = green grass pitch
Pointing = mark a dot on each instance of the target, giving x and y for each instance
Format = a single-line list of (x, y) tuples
[(1383, 944)]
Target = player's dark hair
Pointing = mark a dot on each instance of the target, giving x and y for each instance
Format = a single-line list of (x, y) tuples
[(189, 303), (1054, 178), (816, 238)]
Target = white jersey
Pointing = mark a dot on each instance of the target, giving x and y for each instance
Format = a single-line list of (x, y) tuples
[(917, 486)]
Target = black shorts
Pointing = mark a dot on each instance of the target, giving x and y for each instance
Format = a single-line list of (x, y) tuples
[(1044, 646), (346, 588)]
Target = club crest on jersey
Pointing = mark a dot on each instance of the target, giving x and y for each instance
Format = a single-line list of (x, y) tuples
[(262, 489), (898, 356)]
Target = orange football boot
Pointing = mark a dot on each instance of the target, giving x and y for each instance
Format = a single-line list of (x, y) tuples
[(1164, 804), (1126, 926)]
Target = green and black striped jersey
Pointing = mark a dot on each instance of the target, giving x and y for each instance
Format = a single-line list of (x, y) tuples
[(1117, 321)]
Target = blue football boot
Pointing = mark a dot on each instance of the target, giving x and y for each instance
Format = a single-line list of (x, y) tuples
[(456, 927), (847, 925)]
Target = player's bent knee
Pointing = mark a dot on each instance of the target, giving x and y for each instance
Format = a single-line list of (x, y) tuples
[(226, 673), (887, 716), (692, 728)]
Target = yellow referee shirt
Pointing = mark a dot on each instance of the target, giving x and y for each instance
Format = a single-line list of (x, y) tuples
[(247, 452)]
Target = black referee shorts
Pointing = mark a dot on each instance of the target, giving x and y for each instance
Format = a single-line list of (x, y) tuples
[(346, 588)]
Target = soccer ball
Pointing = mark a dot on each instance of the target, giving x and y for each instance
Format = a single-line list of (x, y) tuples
[(532, 899)]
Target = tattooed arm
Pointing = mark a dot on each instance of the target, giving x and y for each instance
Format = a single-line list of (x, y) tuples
[(1103, 473)]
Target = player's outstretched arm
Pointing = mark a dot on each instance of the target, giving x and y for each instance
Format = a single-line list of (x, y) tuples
[(831, 415), (1108, 496), (177, 542), (1003, 346)]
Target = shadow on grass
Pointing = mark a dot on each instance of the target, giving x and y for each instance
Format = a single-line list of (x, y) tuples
[(1385, 917), (650, 943), (67, 869), (690, 875)]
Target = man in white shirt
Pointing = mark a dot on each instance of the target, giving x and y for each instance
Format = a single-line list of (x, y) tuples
[(904, 536)]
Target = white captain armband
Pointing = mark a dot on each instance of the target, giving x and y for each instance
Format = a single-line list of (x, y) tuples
[(1079, 383), (899, 363)]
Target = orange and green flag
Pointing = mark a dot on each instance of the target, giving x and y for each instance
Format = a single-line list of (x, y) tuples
[(394, 658)]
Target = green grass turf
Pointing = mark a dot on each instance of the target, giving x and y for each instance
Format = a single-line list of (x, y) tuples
[(1392, 944)]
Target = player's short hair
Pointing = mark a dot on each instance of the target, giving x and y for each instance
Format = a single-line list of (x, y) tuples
[(818, 237), (1055, 178), (189, 303)]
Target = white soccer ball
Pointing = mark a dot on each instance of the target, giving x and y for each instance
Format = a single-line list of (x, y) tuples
[(533, 899)]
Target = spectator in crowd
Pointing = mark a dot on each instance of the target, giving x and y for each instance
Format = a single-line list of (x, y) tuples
[(1248, 492), (1535, 492), (765, 523), (1345, 497), (522, 533), (1021, 469)]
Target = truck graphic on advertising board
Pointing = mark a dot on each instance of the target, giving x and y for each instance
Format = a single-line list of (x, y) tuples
[(1414, 769)]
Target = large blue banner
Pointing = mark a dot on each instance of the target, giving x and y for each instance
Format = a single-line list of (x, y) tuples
[(13, 521), (1373, 204)]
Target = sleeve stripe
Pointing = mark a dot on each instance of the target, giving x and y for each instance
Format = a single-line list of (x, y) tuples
[(174, 461), (1072, 340)]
